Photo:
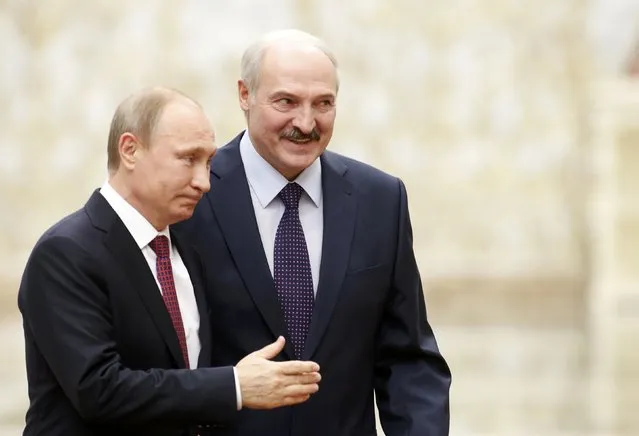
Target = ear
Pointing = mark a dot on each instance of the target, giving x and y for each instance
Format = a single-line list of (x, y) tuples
[(129, 148), (243, 94)]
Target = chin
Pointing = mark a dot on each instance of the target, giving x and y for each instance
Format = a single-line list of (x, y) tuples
[(291, 170), (301, 160), (183, 215)]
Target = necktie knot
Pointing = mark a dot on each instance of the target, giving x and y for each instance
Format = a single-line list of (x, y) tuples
[(160, 245), (290, 195)]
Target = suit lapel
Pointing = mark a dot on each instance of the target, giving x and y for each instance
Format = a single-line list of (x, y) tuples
[(230, 200), (192, 262), (340, 209), (130, 258)]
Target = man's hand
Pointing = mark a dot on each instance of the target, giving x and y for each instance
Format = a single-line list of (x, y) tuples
[(266, 385)]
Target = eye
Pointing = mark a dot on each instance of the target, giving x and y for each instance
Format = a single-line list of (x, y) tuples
[(285, 101), (325, 105)]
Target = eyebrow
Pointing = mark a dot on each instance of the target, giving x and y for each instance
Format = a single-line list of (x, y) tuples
[(194, 149), (280, 94), (326, 96), (287, 94)]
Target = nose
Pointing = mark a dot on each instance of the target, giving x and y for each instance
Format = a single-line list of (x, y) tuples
[(201, 178), (305, 119)]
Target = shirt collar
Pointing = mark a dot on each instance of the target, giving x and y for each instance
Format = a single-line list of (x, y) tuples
[(139, 227), (267, 182)]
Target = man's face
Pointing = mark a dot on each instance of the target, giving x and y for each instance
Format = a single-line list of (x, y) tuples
[(172, 172), (291, 114)]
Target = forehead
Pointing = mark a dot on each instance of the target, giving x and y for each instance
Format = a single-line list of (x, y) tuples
[(186, 121), (297, 68)]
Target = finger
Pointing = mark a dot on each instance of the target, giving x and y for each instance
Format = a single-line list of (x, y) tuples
[(290, 401), (271, 350), (303, 379), (300, 390), (297, 367)]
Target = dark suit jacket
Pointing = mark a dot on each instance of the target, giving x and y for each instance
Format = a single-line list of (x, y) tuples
[(369, 330), (102, 355)]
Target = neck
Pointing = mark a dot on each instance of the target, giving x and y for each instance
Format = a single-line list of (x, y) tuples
[(123, 187)]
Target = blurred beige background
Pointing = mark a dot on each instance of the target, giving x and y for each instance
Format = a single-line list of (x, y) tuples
[(515, 125)]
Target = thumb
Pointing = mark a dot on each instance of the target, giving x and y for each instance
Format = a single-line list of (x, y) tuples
[(271, 350)]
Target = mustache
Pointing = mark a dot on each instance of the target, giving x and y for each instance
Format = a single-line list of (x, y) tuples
[(296, 134)]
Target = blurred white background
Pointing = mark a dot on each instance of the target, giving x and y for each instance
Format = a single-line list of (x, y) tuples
[(514, 124)]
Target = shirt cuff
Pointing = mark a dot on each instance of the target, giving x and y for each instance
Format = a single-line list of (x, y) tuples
[(238, 391)]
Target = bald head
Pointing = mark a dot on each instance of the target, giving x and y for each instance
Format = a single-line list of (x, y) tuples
[(252, 60), (139, 115)]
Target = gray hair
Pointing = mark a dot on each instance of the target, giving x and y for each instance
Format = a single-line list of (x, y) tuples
[(251, 63), (139, 114)]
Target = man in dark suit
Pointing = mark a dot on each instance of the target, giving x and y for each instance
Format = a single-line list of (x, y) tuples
[(305, 243), (116, 325)]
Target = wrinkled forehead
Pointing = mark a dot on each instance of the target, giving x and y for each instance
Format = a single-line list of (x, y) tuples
[(297, 65)]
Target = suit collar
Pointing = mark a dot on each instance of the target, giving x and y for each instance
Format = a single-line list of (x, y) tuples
[(340, 213), (336, 165), (231, 203), (227, 160), (193, 265), (266, 182), (140, 228), (130, 259)]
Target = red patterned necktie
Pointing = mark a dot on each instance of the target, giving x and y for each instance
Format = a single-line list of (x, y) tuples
[(160, 245)]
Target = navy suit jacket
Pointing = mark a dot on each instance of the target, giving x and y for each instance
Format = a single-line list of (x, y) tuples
[(369, 331), (99, 339)]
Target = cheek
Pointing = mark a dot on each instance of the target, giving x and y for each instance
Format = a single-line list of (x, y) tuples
[(143, 181), (273, 122), (179, 178), (326, 122), (171, 179)]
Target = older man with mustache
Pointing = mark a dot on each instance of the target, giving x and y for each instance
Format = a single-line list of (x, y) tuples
[(309, 244)]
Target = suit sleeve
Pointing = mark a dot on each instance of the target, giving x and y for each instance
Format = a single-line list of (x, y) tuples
[(66, 308), (412, 379)]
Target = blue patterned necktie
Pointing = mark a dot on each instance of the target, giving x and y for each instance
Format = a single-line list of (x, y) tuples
[(293, 279)]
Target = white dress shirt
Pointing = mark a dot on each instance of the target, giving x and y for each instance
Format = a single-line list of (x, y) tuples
[(143, 233), (265, 184)]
